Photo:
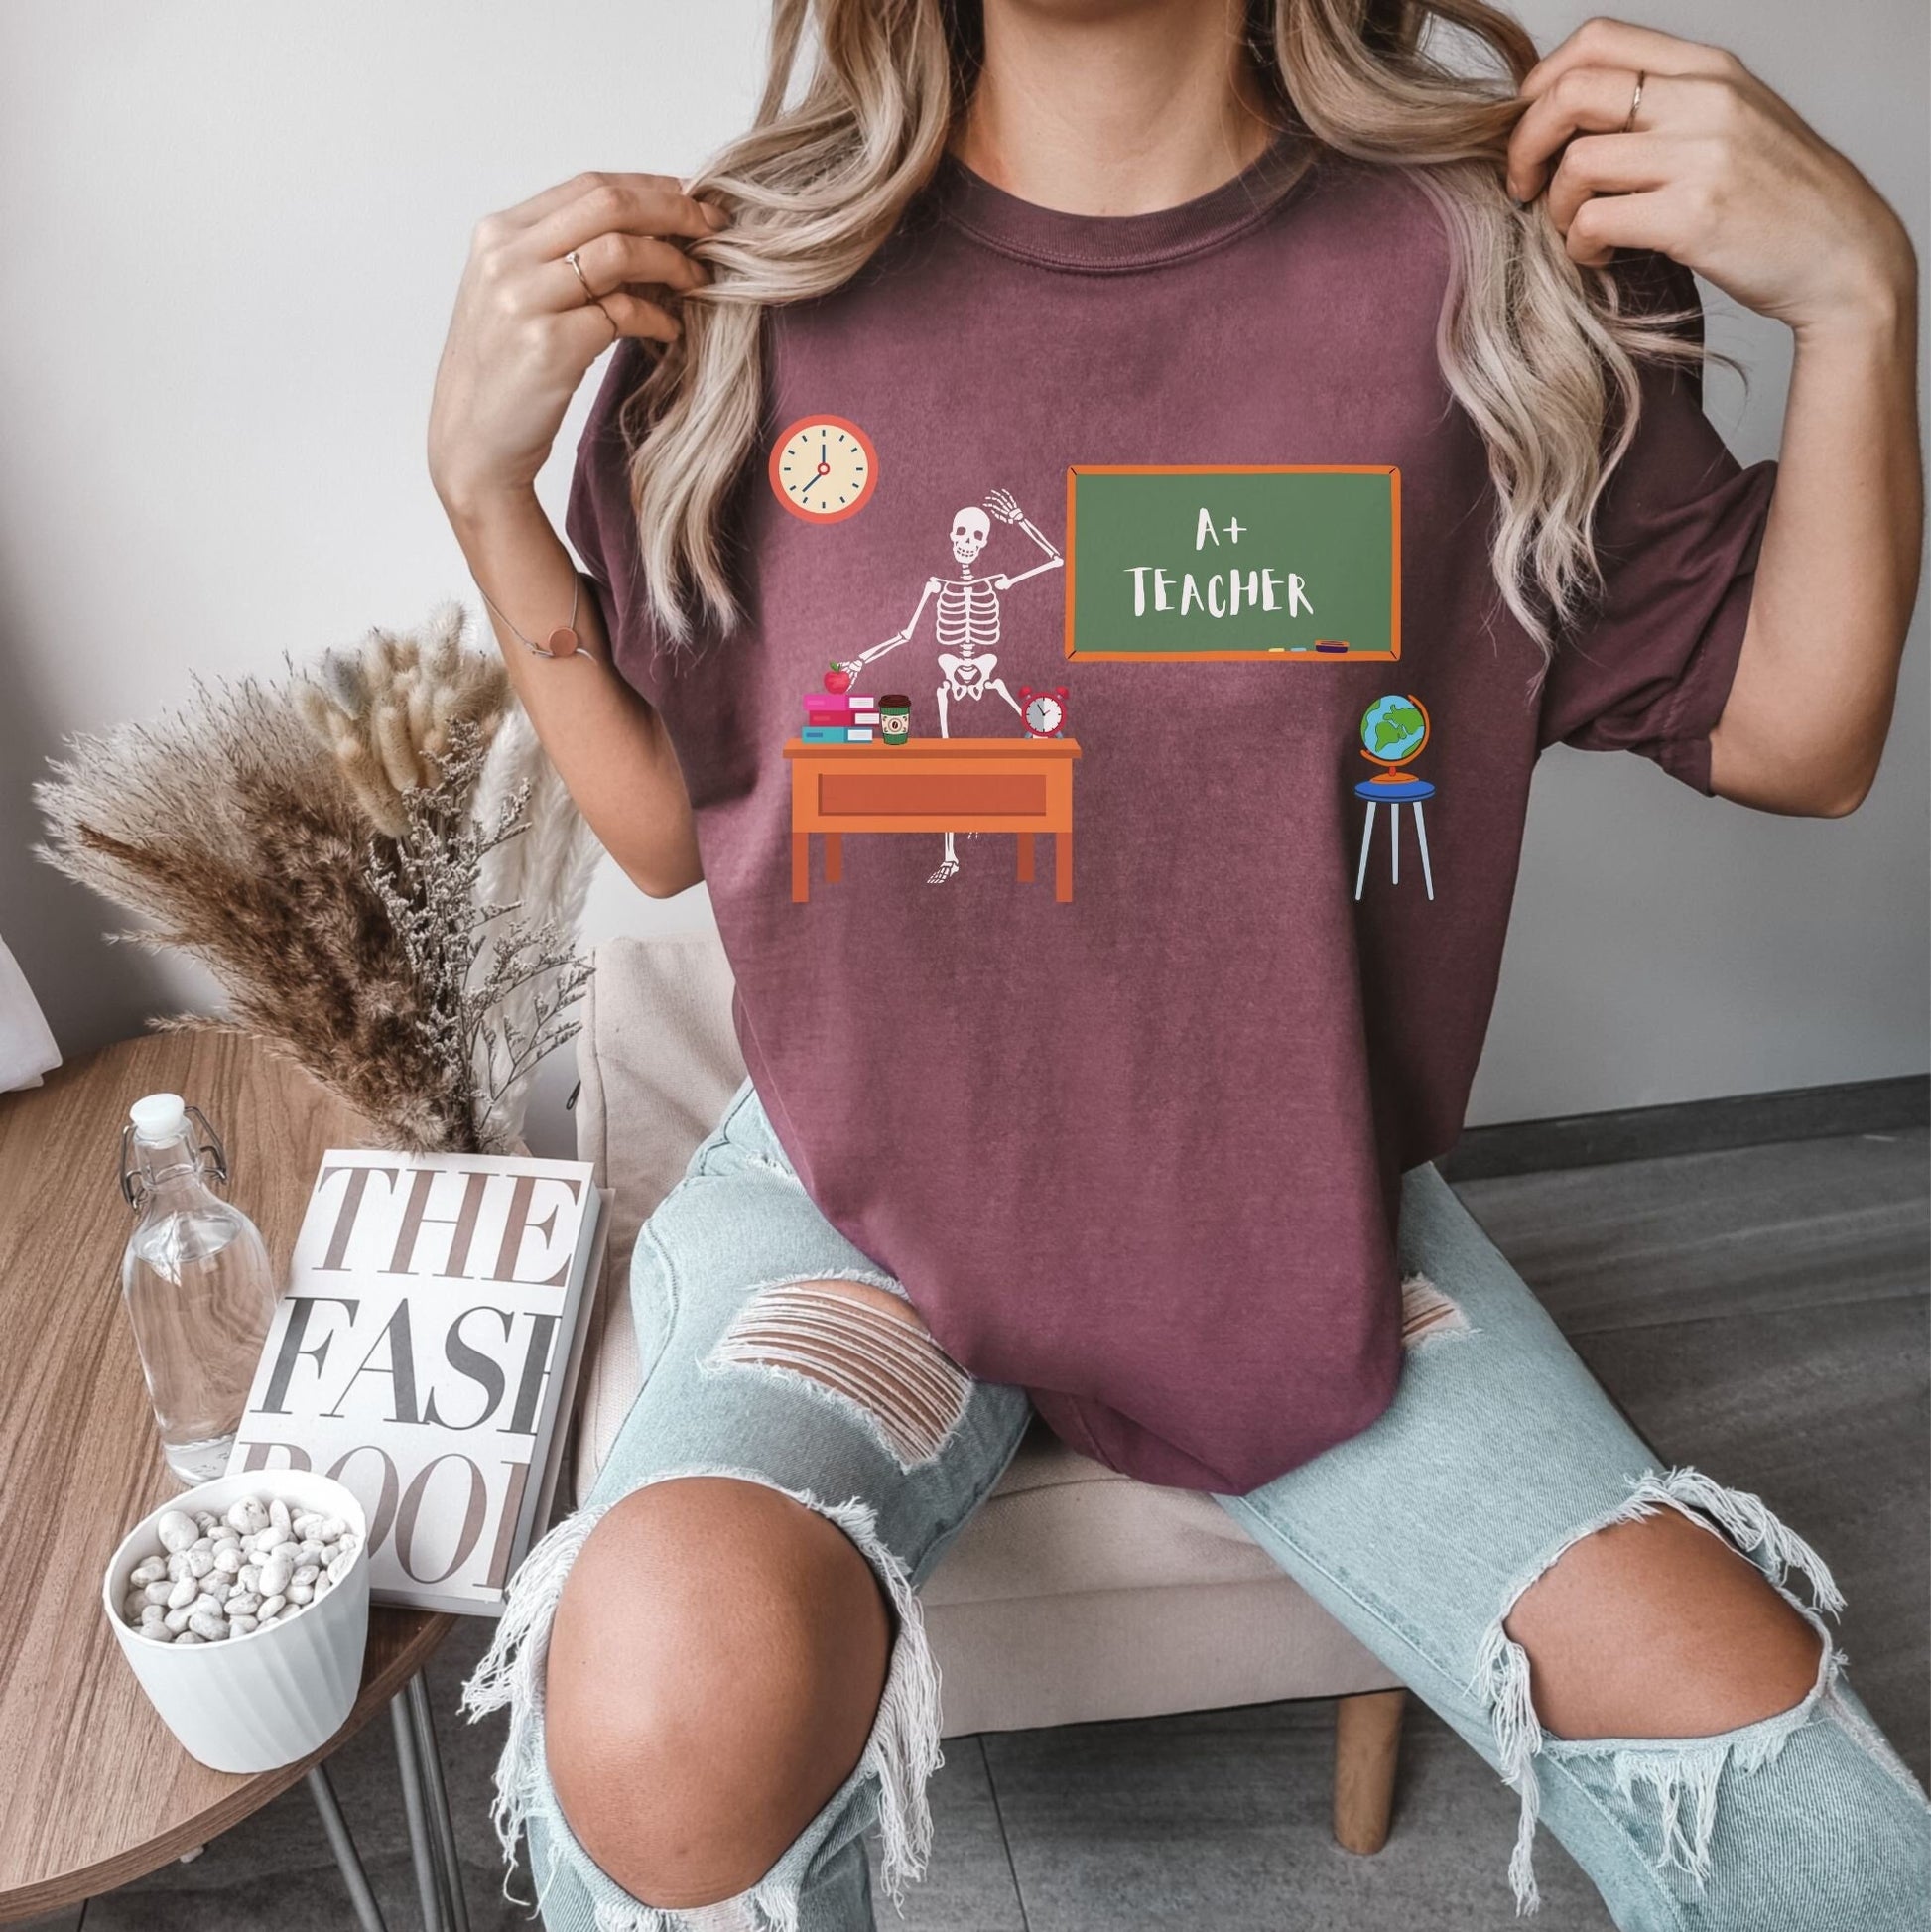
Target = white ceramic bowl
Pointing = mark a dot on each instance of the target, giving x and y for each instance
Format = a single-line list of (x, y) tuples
[(257, 1702)]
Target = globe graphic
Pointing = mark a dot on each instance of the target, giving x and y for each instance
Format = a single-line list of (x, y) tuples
[(1393, 729)]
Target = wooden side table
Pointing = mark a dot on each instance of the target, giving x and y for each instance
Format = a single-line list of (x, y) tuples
[(93, 1788)]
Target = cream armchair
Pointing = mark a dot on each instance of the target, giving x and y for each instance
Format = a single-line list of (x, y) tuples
[(1075, 1594)]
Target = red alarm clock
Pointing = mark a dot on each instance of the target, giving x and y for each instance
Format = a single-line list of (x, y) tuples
[(1044, 711)]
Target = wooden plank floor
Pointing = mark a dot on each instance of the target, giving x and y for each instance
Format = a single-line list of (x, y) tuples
[(1761, 1311)]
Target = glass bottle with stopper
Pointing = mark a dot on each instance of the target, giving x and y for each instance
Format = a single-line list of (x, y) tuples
[(197, 1281)]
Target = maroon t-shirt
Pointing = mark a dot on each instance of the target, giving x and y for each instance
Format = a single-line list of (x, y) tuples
[(1130, 1129)]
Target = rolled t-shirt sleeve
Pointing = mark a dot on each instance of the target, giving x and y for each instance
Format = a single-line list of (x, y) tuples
[(602, 527), (1677, 537)]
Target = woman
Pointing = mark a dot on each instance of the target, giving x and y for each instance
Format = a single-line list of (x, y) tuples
[(1146, 1151)]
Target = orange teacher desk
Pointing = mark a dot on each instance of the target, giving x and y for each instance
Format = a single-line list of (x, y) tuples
[(1019, 784)]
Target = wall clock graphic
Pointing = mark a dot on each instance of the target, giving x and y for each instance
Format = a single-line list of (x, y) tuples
[(1044, 711), (823, 468)]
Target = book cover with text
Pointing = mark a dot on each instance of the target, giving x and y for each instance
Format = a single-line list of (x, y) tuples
[(425, 1354)]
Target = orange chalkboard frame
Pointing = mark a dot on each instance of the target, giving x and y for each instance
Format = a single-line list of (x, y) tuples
[(1087, 656)]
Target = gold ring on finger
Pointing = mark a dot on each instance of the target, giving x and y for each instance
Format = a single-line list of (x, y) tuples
[(574, 261), (1636, 101)]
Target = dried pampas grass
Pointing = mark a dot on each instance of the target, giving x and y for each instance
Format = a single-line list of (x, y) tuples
[(313, 843), (233, 831), (386, 709)]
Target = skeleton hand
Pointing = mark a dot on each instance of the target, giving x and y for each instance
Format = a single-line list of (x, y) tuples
[(1002, 506)]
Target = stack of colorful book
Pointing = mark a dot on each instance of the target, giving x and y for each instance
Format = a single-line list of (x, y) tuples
[(840, 717)]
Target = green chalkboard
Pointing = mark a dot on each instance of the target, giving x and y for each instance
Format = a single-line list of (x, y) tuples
[(1300, 564)]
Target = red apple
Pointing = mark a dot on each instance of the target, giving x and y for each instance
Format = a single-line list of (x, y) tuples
[(838, 680)]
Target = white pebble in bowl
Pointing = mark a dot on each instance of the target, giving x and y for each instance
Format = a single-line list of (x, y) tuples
[(176, 1531), (258, 1566)]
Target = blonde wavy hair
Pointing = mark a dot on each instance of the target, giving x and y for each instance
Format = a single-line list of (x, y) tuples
[(1541, 354)]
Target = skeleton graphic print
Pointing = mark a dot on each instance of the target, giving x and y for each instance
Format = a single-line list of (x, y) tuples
[(966, 622)]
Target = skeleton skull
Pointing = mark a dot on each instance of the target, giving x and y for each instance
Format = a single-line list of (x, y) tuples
[(969, 529)]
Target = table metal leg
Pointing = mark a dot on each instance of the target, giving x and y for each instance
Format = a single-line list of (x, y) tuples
[(1394, 837), (1420, 833), (368, 1914), (422, 1848), (431, 1760), (1368, 839)]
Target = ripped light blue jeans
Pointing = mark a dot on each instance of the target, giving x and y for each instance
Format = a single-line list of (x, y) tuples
[(1498, 1451)]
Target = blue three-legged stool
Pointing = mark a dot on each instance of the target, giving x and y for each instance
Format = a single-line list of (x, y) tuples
[(1394, 793)]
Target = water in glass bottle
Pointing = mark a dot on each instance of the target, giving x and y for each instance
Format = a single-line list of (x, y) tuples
[(198, 1284)]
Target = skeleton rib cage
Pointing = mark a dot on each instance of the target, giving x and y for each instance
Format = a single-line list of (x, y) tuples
[(966, 615)]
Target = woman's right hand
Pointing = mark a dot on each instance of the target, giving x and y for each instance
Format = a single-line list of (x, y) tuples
[(526, 329)]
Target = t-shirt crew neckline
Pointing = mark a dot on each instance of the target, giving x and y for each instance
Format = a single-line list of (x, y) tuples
[(1103, 244)]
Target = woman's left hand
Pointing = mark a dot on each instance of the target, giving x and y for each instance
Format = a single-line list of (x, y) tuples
[(1712, 170)]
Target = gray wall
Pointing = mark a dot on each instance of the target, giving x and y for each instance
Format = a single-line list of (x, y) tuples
[(231, 234)]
